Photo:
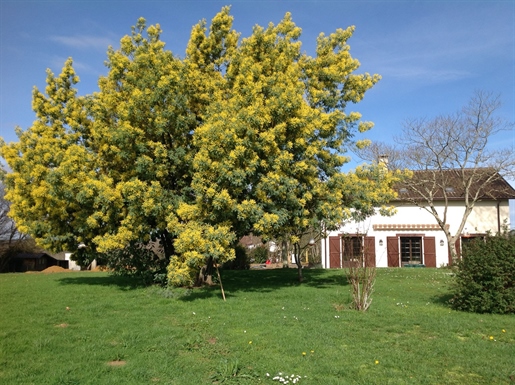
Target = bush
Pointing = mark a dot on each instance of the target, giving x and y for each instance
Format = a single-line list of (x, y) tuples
[(240, 262), (258, 254), (485, 277), (139, 262)]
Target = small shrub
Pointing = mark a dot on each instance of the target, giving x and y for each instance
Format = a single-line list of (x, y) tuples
[(258, 254), (138, 262), (485, 277), (362, 279)]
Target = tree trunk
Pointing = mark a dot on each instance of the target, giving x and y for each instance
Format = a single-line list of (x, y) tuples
[(453, 253), (296, 253), (167, 242), (205, 276), (284, 253)]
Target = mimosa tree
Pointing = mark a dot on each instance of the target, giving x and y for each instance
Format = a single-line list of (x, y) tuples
[(238, 136)]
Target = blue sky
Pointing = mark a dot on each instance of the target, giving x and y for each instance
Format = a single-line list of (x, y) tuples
[(432, 55)]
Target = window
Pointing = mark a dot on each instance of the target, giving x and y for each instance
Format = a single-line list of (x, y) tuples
[(352, 251), (352, 247), (411, 250)]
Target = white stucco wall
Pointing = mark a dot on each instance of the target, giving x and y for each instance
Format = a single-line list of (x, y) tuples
[(483, 218), (71, 264)]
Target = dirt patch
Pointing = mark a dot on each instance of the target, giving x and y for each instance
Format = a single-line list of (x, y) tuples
[(62, 326), (55, 269), (257, 266), (100, 268), (117, 363)]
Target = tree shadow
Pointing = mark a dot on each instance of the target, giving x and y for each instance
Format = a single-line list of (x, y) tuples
[(123, 283), (234, 281), (264, 281), (324, 279), (200, 293), (443, 299), (272, 279)]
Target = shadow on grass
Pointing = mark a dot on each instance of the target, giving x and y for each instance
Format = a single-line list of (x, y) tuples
[(268, 280), (443, 299), (264, 281), (123, 283), (234, 281)]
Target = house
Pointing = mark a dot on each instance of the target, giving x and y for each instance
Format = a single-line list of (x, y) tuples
[(22, 262), (67, 261), (251, 241), (412, 236)]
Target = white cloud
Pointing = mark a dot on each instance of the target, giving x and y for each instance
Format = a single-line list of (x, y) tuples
[(83, 41), (425, 74), (81, 67)]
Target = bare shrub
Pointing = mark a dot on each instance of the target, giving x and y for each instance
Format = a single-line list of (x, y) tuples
[(361, 276)]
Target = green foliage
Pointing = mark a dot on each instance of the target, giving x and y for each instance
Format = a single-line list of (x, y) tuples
[(258, 254), (84, 257), (138, 261), (240, 262), (485, 277)]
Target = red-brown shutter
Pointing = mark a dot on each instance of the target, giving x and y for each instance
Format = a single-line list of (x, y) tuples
[(429, 252), (392, 249), (370, 251), (334, 252)]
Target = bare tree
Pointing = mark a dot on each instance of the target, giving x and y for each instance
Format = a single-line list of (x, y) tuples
[(460, 140), (380, 151), (452, 155)]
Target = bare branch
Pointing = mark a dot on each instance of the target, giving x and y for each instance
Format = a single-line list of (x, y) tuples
[(452, 155), (460, 140), (377, 151)]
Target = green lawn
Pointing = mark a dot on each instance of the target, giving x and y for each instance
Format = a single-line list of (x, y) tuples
[(92, 328)]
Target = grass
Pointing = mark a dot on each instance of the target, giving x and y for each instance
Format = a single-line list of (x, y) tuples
[(92, 328)]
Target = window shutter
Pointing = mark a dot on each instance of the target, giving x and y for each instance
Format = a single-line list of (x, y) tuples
[(370, 251), (429, 252), (392, 249), (334, 252)]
